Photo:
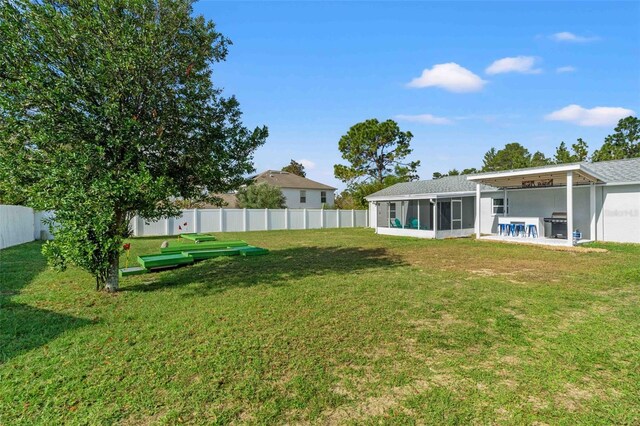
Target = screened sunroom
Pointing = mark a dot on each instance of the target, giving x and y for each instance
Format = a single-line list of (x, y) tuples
[(433, 217)]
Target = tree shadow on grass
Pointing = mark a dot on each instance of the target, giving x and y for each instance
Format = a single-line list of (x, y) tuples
[(24, 327), (276, 268)]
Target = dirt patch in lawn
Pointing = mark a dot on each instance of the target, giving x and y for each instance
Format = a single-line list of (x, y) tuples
[(376, 405)]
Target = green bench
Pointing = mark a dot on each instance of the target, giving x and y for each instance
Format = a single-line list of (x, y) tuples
[(198, 237), (135, 270), (164, 260), (177, 248), (208, 254), (253, 251)]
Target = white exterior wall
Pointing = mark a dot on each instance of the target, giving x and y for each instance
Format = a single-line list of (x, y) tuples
[(617, 209), (540, 202), (619, 213), (313, 198)]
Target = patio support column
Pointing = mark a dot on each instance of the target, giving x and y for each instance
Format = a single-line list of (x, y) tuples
[(592, 211), (418, 201), (477, 211), (435, 216), (570, 207), (506, 203)]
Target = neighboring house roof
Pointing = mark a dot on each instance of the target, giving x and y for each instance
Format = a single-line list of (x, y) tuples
[(611, 172), (289, 180), (230, 199)]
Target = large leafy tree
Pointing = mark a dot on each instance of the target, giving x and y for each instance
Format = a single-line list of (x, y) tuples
[(374, 151), (261, 196), (295, 168), (624, 143), (579, 152), (108, 110), (360, 191), (512, 156)]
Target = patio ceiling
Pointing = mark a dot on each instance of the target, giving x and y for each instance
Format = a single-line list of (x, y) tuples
[(539, 177)]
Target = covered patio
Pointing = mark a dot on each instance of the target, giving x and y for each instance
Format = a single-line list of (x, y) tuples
[(539, 205)]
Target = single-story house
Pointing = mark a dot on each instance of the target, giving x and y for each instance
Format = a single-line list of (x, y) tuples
[(556, 204)]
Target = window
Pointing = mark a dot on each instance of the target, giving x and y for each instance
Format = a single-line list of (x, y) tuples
[(392, 210), (303, 197), (497, 206), (323, 197)]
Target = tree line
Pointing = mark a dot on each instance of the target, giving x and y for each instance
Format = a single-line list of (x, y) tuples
[(377, 155), (623, 143)]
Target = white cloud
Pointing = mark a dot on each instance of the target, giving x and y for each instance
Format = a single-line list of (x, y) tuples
[(424, 119), (598, 116), (521, 64), (568, 68), (449, 76), (308, 164), (566, 36)]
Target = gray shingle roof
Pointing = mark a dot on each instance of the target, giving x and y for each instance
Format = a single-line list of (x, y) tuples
[(289, 180), (614, 171), (435, 186), (617, 170)]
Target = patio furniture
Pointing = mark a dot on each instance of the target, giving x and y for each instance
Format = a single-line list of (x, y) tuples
[(414, 224), (520, 226)]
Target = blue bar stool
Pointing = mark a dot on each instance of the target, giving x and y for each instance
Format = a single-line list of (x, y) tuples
[(512, 229), (532, 231), (502, 229)]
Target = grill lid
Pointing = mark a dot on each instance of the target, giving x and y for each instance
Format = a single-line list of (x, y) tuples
[(557, 217)]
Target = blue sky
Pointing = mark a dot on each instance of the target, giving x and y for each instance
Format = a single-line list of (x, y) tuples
[(461, 76)]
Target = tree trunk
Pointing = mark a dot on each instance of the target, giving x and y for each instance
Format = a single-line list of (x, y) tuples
[(111, 284)]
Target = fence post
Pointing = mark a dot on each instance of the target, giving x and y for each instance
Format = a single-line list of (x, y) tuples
[(244, 220), (366, 218), (322, 217), (337, 218), (353, 218), (136, 232), (196, 222), (286, 219), (266, 219), (221, 220), (167, 226), (304, 218)]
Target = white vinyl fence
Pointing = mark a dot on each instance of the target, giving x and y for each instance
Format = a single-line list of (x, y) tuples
[(20, 225), (241, 220)]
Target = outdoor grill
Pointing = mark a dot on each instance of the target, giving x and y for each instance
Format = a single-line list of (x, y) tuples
[(558, 221)]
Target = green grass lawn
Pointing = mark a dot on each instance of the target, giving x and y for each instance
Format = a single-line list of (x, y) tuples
[(332, 327)]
